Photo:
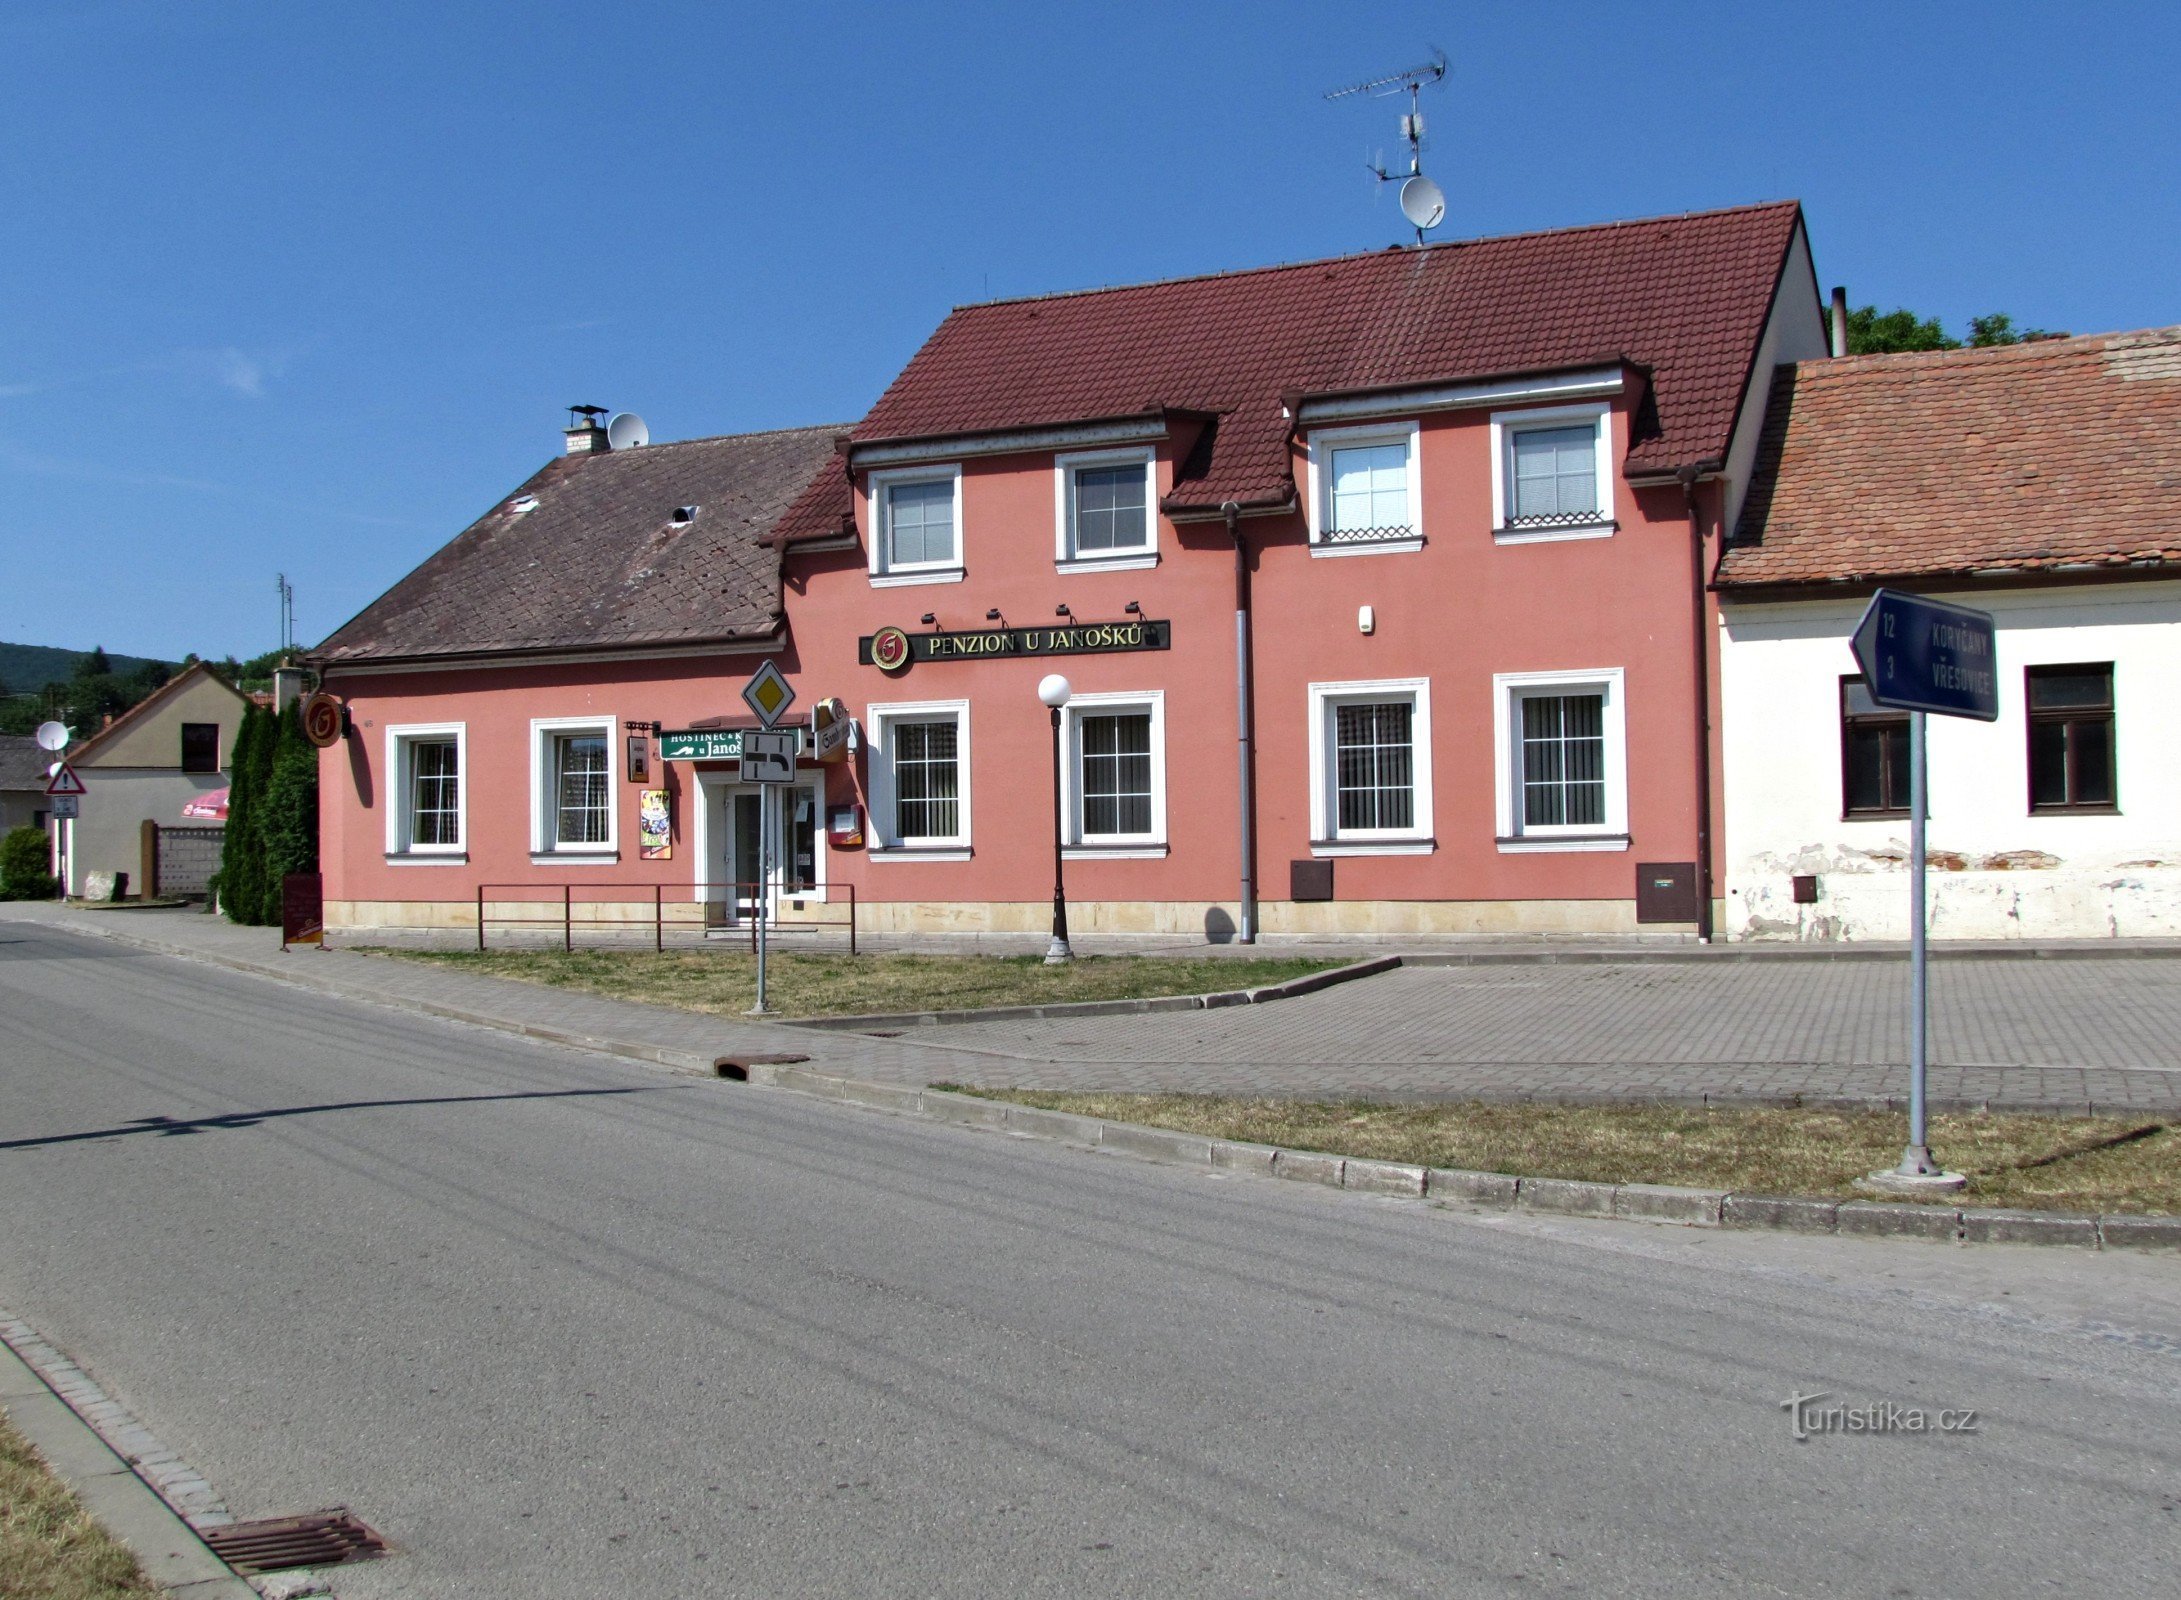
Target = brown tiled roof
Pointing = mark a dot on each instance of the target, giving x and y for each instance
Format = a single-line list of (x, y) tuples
[(2057, 454), (599, 562), (1685, 296)]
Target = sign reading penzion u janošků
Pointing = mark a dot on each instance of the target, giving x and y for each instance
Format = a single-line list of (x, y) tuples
[(1926, 655), (1082, 638)]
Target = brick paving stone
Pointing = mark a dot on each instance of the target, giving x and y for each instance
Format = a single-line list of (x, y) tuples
[(2059, 1034)]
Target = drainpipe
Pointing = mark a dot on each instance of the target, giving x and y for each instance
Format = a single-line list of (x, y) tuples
[(1245, 755), (1701, 638)]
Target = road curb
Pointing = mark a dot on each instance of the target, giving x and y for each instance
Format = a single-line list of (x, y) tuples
[(1308, 983), (1657, 1203), (108, 1486)]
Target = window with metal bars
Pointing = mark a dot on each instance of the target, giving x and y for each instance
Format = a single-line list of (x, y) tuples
[(927, 777), (1873, 754), (582, 789), (1114, 783), (1554, 473), (435, 794), (1374, 765), (2073, 764), (1563, 761)]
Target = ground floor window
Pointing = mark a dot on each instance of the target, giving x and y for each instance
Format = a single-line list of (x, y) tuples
[(920, 775), (1116, 779), (1562, 760), (1873, 754), (571, 782), (424, 790), (2073, 765), (1370, 765)]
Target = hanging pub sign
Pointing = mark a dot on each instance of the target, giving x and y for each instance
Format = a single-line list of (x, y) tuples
[(895, 649), (708, 744)]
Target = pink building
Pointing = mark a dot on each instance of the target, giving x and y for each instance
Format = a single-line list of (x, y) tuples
[(1379, 583)]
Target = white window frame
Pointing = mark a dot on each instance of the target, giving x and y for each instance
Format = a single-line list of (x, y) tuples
[(545, 846), (889, 573), (878, 723), (401, 846), (1325, 838), (1111, 846), (1505, 425), (1136, 558), (1514, 835), (1319, 501)]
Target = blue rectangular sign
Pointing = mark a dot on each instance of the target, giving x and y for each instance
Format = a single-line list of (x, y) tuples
[(1926, 655)]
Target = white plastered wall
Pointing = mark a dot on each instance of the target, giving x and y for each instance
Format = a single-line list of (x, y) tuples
[(1998, 872)]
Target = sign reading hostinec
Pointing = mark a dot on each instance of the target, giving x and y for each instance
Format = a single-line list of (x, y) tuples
[(1926, 655)]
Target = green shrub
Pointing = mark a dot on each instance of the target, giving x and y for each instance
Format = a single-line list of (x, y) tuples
[(272, 815), (24, 856)]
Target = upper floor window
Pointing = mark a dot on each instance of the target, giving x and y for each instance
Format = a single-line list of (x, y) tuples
[(200, 747), (1552, 474), (916, 532), (1105, 508), (1366, 488), (1873, 754), (2073, 766)]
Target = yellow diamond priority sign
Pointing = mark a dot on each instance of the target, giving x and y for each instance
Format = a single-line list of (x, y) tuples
[(768, 694)]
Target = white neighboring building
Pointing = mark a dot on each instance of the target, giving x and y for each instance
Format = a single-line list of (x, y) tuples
[(2042, 483)]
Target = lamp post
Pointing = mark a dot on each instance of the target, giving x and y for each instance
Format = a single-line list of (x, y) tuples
[(1053, 689)]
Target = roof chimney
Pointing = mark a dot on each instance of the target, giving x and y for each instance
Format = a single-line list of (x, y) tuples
[(1840, 319), (586, 432)]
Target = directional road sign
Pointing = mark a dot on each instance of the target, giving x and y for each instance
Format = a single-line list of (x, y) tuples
[(768, 757), (64, 780), (1925, 655), (768, 694)]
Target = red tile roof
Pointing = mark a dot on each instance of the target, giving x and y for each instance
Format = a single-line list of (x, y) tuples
[(587, 554), (2058, 454), (1685, 296)]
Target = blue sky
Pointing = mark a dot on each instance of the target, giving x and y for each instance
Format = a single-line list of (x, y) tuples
[(304, 288)]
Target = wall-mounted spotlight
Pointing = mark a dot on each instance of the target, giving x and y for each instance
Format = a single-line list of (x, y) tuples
[(928, 618), (1133, 609), (993, 615), (1063, 611)]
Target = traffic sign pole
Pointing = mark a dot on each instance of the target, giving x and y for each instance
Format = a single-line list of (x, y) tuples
[(764, 887), (1916, 1160)]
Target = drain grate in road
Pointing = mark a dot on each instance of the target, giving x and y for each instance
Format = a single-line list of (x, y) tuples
[(278, 1544)]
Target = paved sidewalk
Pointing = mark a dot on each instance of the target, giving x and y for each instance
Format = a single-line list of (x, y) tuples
[(2090, 1031)]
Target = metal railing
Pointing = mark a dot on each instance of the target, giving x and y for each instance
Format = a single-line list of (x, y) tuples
[(742, 906)]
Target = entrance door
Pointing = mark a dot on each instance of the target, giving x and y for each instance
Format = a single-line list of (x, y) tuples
[(745, 814)]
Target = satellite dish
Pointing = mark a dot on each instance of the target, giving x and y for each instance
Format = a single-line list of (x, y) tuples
[(52, 736), (1423, 202), (627, 431)]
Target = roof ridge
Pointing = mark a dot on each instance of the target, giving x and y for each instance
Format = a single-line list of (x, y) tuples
[(1376, 254), (1964, 354), (713, 438), (129, 715)]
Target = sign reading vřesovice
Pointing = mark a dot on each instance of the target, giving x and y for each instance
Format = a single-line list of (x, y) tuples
[(893, 649), (1925, 655)]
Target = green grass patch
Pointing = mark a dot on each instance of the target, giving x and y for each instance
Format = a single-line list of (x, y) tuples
[(807, 985), (2046, 1163), (49, 1546)]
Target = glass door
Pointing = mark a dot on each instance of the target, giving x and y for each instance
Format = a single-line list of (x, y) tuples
[(745, 813)]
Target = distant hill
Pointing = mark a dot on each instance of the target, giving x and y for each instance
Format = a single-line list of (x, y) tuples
[(25, 668)]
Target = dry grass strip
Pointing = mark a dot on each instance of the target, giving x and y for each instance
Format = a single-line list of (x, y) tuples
[(49, 1547)]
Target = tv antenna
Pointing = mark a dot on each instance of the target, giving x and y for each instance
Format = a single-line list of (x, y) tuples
[(1423, 202), (286, 590)]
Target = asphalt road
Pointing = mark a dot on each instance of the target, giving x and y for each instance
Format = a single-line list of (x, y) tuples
[(561, 1326)]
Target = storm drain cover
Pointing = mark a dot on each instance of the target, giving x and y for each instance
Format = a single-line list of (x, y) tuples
[(277, 1544)]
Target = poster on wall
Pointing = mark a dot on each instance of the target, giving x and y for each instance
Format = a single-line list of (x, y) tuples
[(654, 827)]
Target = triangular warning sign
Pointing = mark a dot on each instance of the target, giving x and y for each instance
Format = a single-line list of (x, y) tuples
[(65, 781)]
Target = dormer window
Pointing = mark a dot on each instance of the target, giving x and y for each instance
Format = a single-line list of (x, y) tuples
[(1105, 511), (916, 526), (1366, 490), (1552, 474)]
